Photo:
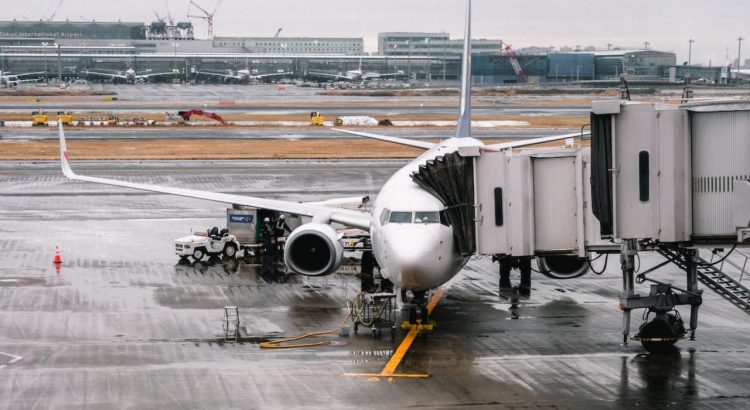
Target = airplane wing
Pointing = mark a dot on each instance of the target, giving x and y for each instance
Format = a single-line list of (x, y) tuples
[(260, 76), (384, 75), (154, 74), (110, 75), (395, 140), (25, 74), (30, 80), (236, 77), (533, 141), (348, 217), (326, 75)]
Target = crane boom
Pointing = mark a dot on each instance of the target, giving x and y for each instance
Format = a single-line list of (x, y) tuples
[(514, 62)]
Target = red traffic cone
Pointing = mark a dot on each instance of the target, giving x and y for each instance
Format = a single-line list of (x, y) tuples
[(57, 258)]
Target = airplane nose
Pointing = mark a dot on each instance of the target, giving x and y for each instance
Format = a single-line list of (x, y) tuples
[(419, 258)]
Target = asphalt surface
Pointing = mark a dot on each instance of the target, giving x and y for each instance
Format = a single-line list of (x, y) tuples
[(123, 325)]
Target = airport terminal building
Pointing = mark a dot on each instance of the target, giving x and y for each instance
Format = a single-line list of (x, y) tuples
[(67, 49)]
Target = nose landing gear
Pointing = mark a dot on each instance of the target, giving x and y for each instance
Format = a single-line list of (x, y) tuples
[(419, 313)]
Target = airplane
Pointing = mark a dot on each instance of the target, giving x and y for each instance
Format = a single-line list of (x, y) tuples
[(356, 75), (130, 76), (11, 80), (244, 75), (412, 240)]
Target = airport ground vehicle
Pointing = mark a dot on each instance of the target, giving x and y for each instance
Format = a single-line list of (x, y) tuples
[(65, 117), (316, 118), (39, 118), (213, 242)]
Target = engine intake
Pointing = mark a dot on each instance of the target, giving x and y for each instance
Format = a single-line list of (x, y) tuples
[(562, 266), (313, 250)]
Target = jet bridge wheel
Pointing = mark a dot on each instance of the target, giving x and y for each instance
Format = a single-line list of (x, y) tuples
[(660, 335)]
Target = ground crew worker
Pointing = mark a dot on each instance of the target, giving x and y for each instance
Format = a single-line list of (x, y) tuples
[(280, 229), (269, 257), (266, 235)]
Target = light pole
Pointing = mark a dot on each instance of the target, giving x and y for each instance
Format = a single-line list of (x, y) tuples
[(174, 60), (739, 52), (429, 60), (44, 44), (408, 70), (690, 51), (445, 58)]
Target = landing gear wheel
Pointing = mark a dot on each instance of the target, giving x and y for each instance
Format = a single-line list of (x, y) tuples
[(657, 336), (198, 254), (412, 315), (424, 315), (356, 327), (230, 251)]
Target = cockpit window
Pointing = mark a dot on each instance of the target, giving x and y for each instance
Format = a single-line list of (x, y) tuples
[(444, 218), (426, 217), (384, 216), (400, 217)]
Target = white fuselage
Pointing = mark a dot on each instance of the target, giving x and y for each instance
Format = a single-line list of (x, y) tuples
[(130, 75), (415, 255)]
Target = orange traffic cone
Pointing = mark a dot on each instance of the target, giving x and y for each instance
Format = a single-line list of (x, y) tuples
[(57, 259)]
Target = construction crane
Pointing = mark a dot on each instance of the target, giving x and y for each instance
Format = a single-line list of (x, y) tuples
[(514, 62), (54, 11), (278, 32), (169, 14), (208, 17), (185, 115)]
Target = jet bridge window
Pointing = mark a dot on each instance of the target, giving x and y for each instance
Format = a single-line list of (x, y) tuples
[(400, 217), (643, 171), (426, 217)]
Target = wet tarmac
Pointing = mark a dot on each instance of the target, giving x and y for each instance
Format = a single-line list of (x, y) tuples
[(123, 325)]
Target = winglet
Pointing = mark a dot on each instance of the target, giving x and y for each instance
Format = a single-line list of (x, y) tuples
[(64, 154), (463, 127)]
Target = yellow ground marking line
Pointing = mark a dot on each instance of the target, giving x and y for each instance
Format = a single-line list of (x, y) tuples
[(398, 356)]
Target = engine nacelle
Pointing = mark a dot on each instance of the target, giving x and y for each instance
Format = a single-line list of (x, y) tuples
[(313, 250), (562, 266)]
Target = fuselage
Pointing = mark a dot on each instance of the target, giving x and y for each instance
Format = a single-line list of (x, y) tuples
[(411, 238), (130, 75)]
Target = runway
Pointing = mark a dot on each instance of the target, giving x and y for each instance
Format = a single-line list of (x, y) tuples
[(123, 325)]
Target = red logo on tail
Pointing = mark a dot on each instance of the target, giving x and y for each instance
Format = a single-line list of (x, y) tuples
[(66, 154)]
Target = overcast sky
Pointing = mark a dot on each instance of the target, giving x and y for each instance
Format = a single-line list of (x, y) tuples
[(666, 24)]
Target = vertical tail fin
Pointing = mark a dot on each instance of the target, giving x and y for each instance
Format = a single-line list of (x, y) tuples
[(463, 127), (360, 65)]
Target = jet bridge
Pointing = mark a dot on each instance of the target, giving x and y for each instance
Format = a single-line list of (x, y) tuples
[(664, 178)]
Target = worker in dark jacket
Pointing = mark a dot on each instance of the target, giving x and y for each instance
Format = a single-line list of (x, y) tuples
[(280, 229), (267, 231)]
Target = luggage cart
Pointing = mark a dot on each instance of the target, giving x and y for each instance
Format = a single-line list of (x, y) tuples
[(376, 311)]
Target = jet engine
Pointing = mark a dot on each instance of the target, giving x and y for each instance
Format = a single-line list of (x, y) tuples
[(562, 266), (313, 250)]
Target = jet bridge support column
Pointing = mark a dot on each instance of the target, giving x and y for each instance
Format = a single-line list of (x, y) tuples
[(692, 260), (628, 251)]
